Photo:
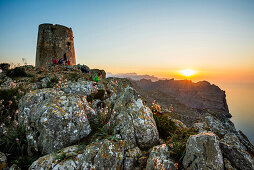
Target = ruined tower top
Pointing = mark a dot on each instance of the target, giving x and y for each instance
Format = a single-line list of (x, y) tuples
[(53, 42)]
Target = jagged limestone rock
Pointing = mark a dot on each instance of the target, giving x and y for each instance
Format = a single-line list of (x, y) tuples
[(104, 154), (203, 152), (159, 158), (53, 120), (94, 72), (228, 165), (131, 158), (219, 126), (133, 121), (82, 88), (235, 147), (236, 152)]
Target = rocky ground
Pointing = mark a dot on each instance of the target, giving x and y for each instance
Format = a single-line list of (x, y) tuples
[(58, 118)]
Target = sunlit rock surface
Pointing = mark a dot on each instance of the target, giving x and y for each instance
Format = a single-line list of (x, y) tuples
[(203, 152), (133, 121), (159, 158)]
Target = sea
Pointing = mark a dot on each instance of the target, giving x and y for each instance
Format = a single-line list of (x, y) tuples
[(240, 99)]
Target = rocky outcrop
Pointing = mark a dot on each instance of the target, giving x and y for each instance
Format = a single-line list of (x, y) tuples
[(203, 152), (236, 152), (132, 157), (235, 147), (159, 158), (94, 72), (65, 107), (105, 154), (53, 120), (133, 121)]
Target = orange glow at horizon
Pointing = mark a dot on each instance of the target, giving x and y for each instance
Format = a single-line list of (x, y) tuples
[(188, 72)]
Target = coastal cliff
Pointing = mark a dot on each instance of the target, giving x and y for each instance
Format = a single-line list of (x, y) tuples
[(59, 118)]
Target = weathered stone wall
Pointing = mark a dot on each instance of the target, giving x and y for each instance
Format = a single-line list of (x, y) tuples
[(54, 41)]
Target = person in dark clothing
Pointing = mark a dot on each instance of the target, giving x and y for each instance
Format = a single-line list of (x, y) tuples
[(82, 69), (65, 57), (86, 70), (60, 61)]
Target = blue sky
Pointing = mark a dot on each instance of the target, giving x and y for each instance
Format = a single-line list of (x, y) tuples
[(143, 36)]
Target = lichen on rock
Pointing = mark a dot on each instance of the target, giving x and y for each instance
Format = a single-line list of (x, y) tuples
[(203, 152), (133, 121), (53, 120)]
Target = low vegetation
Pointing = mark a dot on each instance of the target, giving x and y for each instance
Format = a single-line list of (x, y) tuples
[(14, 144), (17, 72), (176, 136)]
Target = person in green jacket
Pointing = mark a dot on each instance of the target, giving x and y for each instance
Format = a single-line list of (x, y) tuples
[(97, 77)]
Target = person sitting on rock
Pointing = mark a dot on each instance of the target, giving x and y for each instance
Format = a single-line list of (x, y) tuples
[(97, 77), (64, 58), (60, 61), (68, 62), (54, 61), (82, 69), (86, 70)]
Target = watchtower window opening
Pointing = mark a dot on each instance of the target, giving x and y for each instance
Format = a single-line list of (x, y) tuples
[(69, 43)]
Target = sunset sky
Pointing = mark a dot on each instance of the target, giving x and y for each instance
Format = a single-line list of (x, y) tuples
[(159, 37)]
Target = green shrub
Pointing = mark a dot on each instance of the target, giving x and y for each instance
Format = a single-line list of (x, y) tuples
[(106, 133), (165, 125), (176, 137), (62, 156), (17, 72)]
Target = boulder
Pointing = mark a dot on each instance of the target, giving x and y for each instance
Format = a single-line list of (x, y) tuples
[(104, 154), (94, 72), (53, 120), (234, 145), (81, 88), (236, 152), (131, 158), (203, 152), (219, 125), (133, 121), (159, 158)]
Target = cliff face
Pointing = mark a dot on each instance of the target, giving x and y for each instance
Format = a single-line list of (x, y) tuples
[(200, 95)]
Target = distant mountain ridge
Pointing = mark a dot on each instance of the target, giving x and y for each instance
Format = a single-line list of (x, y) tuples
[(133, 76)]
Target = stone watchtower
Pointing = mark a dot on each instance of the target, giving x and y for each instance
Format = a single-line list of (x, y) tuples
[(53, 42)]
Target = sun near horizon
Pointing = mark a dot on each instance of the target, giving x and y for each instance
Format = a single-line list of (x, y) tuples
[(187, 72)]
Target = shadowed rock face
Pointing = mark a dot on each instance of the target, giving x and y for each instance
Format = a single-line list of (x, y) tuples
[(200, 95), (54, 41)]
